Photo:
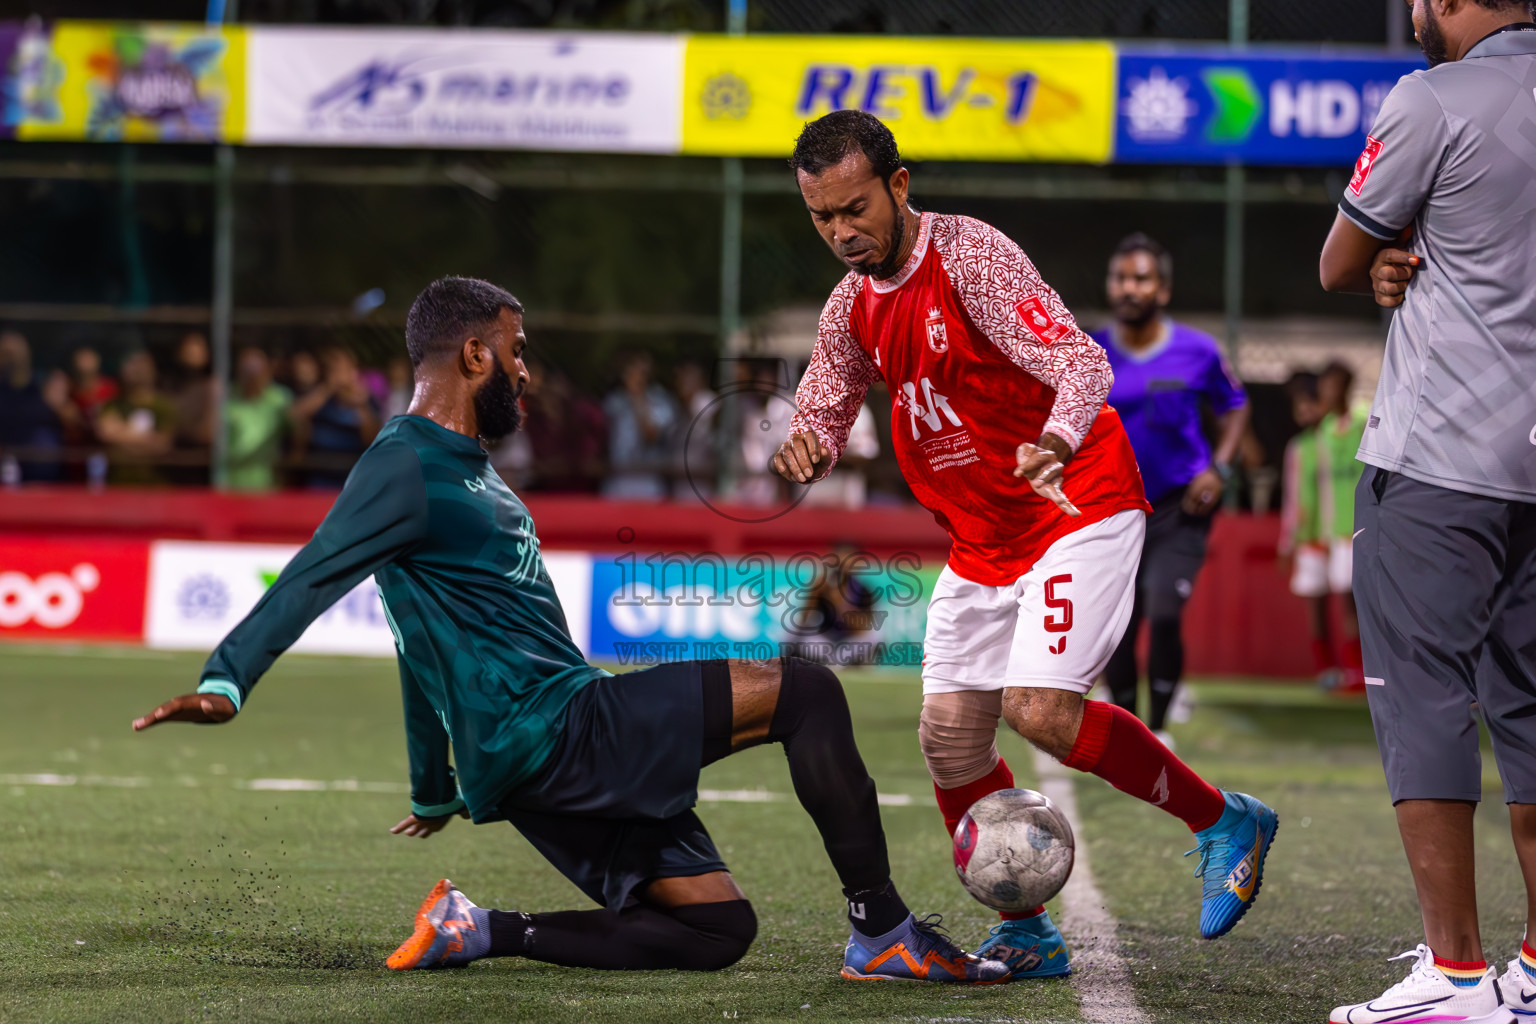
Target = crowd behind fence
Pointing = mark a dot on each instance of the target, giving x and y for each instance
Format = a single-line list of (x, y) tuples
[(684, 431)]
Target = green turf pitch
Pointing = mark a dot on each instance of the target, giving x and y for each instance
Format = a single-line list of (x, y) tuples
[(143, 878)]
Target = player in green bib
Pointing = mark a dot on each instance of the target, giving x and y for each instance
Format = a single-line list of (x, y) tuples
[(599, 772)]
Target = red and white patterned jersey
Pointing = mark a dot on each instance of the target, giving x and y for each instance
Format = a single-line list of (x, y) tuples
[(980, 355)]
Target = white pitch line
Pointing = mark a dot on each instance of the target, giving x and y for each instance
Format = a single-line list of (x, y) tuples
[(1100, 974), (725, 796)]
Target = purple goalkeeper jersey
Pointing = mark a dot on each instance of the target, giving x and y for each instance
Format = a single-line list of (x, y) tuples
[(1158, 393)]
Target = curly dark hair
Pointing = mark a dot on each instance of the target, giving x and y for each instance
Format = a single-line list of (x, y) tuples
[(827, 140)]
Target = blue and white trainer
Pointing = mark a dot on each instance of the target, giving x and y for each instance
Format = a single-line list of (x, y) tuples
[(450, 932), (1519, 989), (917, 951), (1232, 853), (1032, 948)]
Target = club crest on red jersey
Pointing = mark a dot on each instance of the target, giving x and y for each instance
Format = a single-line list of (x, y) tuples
[(938, 339), (1039, 320)]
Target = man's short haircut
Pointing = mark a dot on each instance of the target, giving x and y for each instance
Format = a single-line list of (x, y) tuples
[(449, 310), (1339, 368), (1302, 384), (1141, 242), (828, 140)]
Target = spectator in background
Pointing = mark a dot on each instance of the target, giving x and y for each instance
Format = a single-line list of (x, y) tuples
[(1322, 471), (139, 426), (400, 386), (337, 420), (836, 617), (641, 419), (1300, 558), (1166, 376), (696, 443), (190, 387), (255, 421), (89, 391), (303, 373), (849, 487), (31, 414), (765, 407), (566, 432)]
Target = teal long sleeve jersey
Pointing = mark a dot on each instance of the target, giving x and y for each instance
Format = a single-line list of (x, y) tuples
[(487, 663)]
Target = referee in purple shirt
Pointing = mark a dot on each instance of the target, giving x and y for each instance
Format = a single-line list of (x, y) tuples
[(1165, 375)]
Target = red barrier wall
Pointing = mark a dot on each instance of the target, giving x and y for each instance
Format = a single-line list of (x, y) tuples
[(1241, 619)]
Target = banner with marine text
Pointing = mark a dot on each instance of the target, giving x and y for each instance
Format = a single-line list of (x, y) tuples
[(481, 89), (1077, 101)]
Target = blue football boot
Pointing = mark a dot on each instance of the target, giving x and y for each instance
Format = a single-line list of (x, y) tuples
[(917, 951), (1232, 855), (450, 932), (1032, 948)]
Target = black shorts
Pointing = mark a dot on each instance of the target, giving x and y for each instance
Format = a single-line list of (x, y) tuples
[(1171, 557), (1445, 584), (613, 808)]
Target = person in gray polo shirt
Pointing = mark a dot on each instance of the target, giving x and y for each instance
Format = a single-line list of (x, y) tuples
[(1439, 221)]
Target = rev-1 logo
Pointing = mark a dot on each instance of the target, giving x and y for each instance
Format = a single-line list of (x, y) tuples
[(377, 87)]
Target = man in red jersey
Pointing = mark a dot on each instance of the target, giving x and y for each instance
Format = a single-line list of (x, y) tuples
[(1001, 431)]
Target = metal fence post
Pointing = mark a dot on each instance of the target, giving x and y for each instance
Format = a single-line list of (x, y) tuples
[(732, 178), (221, 313), (1232, 278)]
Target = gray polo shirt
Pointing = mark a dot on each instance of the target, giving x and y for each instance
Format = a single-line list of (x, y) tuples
[(1453, 153)]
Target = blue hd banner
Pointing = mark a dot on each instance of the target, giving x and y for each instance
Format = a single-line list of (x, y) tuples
[(1254, 107)]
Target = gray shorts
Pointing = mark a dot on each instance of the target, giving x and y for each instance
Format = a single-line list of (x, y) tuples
[(1445, 583)]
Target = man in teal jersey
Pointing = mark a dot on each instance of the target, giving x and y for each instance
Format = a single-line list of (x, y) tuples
[(599, 772)]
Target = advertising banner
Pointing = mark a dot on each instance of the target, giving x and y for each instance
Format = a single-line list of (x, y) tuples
[(648, 609), (11, 105), (952, 99), (72, 590), (608, 91), (199, 591), (126, 82), (1179, 106)]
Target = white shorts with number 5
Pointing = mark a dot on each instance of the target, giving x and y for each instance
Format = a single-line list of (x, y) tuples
[(1054, 627)]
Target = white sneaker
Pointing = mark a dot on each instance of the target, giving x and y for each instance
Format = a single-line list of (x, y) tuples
[(1518, 990), (1427, 995), (1182, 708), (1165, 738)]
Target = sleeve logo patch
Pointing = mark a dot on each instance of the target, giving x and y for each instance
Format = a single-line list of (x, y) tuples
[(1364, 163), (1040, 322)]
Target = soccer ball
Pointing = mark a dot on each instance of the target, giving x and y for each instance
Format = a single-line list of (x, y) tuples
[(1013, 849)]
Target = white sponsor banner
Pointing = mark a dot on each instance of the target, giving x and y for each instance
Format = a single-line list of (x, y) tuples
[(478, 89), (199, 591)]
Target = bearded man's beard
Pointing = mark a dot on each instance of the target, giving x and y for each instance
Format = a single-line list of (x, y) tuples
[(1135, 314), (888, 266), (1431, 39), (496, 410)]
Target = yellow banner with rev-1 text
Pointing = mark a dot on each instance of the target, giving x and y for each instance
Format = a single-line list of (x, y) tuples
[(955, 99)]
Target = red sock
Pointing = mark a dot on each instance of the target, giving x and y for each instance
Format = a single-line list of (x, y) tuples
[(953, 803), (1322, 657), (1114, 745), (1462, 973)]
